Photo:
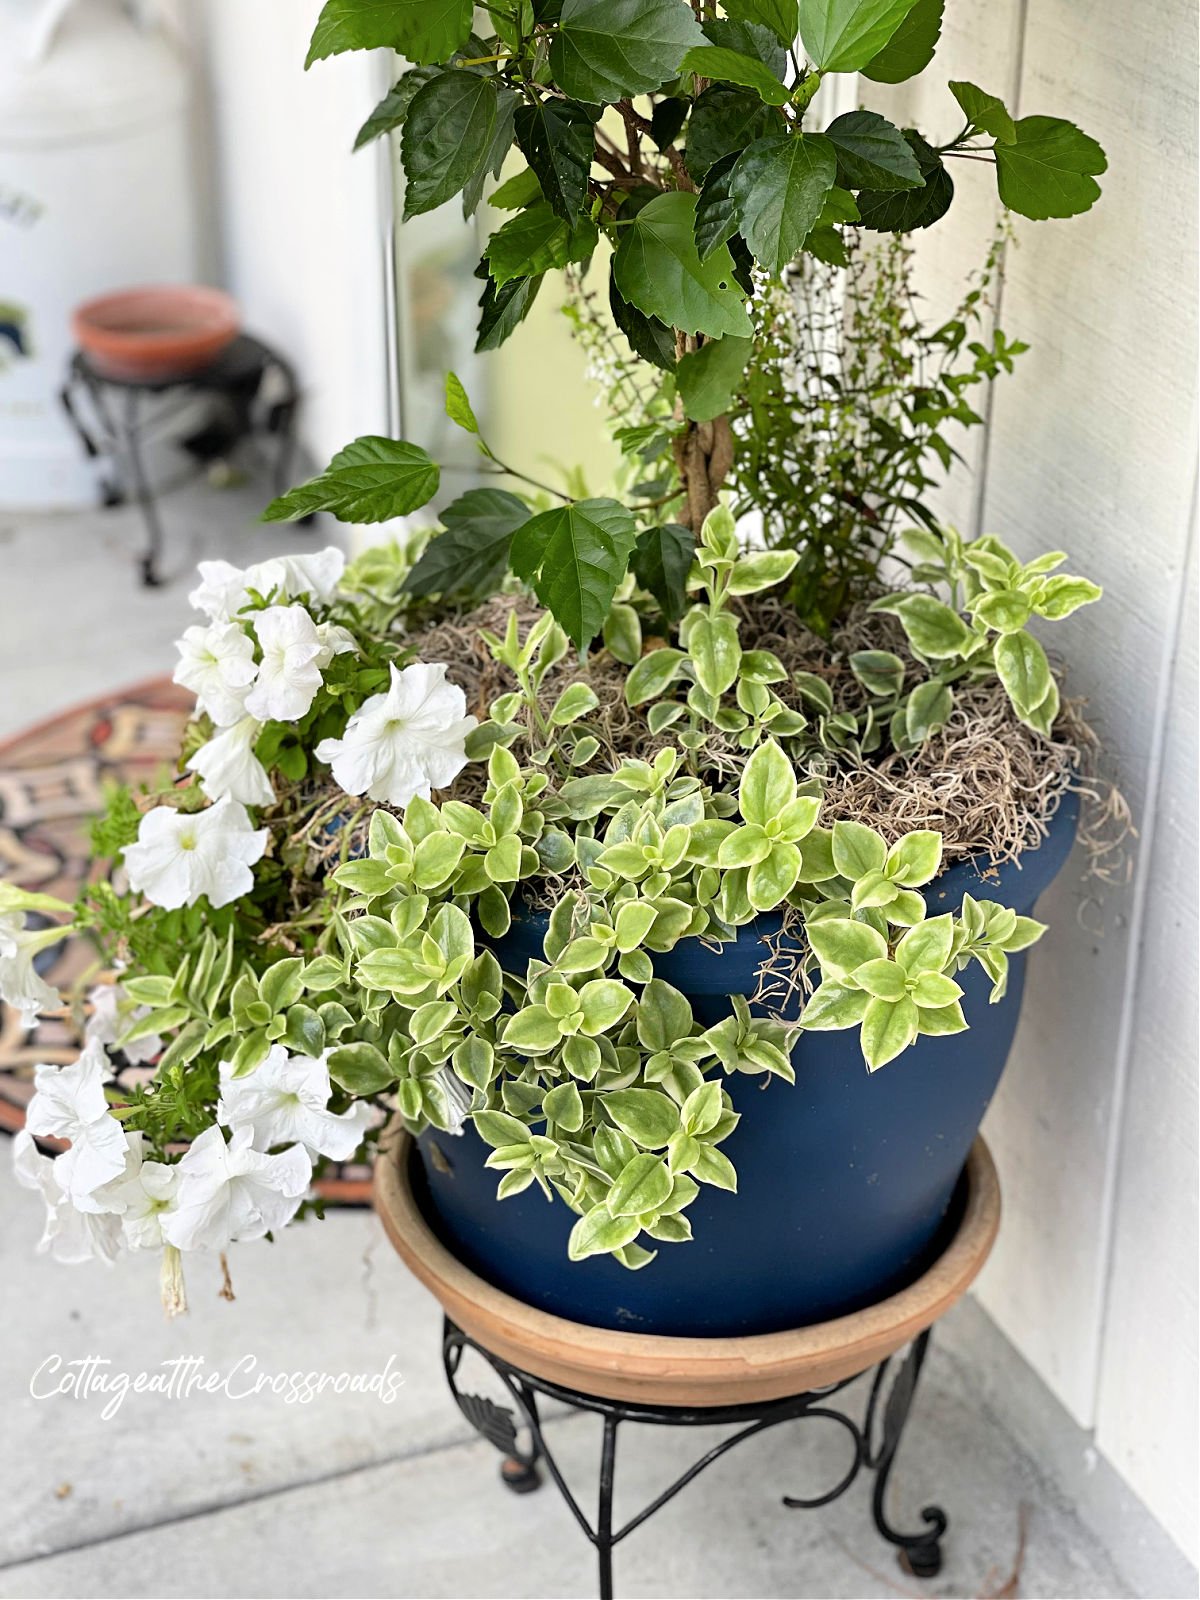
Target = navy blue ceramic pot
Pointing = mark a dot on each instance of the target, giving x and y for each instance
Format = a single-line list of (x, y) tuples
[(847, 1180)]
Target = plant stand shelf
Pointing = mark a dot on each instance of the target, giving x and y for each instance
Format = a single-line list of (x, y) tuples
[(749, 1384), (124, 413)]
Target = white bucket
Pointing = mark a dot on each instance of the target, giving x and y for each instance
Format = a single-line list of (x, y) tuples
[(96, 193)]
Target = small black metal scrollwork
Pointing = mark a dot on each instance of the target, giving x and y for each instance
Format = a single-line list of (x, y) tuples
[(919, 1553)]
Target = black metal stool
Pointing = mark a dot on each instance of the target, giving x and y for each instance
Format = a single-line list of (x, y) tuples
[(125, 412)]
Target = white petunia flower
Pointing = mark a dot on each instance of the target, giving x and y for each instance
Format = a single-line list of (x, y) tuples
[(106, 1022), (284, 1100), (69, 1103), (289, 676), (221, 590), (141, 1196), (316, 575), (68, 1235), (231, 1192), (224, 589), (229, 769), (21, 986), (217, 665), (405, 742), (178, 857), (335, 641)]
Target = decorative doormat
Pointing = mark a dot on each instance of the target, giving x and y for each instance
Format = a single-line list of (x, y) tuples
[(52, 780)]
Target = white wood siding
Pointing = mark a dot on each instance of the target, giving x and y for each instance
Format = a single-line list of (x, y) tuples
[(1092, 448)]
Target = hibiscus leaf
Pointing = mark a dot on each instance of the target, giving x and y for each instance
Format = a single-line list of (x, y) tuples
[(606, 50), (716, 213), (911, 47), (661, 563), (391, 111), (557, 138), (708, 377), (985, 112), (517, 192), (892, 211), (470, 558), (422, 30), (371, 480), (496, 154), (575, 556), (447, 137), (872, 154), (658, 269), (845, 35), (535, 240), (723, 122), (779, 187), (781, 16), (1049, 171), (647, 336), (731, 66), (502, 308)]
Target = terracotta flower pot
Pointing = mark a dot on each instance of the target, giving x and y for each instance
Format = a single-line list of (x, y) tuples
[(156, 333)]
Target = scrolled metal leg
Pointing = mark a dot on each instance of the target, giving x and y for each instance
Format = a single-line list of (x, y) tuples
[(918, 1553), (520, 1473), (496, 1424)]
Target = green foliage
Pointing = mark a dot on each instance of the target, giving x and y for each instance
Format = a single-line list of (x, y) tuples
[(574, 556), (778, 187), (720, 191), (657, 268), (982, 630), (846, 35), (470, 558), (847, 419), (422, 30), (606, 50), (369, 481)]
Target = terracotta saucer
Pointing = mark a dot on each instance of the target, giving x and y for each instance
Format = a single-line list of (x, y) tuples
[(684, 1372)]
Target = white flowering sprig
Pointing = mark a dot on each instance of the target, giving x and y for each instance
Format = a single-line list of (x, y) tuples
[(261, 671)]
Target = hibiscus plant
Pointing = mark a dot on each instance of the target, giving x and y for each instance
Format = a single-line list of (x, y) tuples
[(676, 150), (569, 719)]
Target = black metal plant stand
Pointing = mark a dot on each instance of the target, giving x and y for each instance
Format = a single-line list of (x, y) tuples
[(122, 414), (875, 1440)]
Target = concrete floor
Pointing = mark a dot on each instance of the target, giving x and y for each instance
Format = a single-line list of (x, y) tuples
[(219, 1496)]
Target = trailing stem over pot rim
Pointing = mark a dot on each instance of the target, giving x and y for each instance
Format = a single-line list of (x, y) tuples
[(387, 756)]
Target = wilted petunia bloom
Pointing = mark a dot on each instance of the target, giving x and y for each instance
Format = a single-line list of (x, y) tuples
[(231, 1191), (229, 769), (285, 1100)]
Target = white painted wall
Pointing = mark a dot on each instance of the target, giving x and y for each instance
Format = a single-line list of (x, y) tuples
[(1092, 448), (300, 227)]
